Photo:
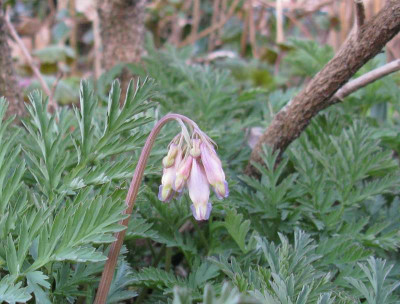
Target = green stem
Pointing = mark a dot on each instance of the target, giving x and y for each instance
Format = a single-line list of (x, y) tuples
[(153, 253), (201, 234), (168, 256)]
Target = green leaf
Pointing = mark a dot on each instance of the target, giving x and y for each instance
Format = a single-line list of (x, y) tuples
[(228, 295), (140, 229), (81, 254), (307, 57), (13, 293), (325, 298), (182, 296), (157, 278), (36, 280), (85, 117), (202, 274), (11, 257), (380, 290), (118, 289), (54, 53), (237, 228)]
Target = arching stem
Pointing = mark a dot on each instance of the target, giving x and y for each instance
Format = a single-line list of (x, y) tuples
[(111, 262)]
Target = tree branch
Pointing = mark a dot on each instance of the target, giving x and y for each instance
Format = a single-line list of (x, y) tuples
[(345, 91), (365, 80), (288, 124)]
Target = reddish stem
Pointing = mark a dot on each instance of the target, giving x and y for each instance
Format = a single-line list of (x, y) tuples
[(111, 263)]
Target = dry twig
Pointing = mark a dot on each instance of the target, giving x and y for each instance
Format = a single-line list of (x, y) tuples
[(214, 20), (55, 84), (191, 39), (97, 45), (280, 38), (302, 10), (73, 40), (292, 18), (245, 32), (52, 104), (252, 30), (196, 18)]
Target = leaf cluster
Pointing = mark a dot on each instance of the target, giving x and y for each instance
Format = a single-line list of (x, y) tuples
[(60, 200)]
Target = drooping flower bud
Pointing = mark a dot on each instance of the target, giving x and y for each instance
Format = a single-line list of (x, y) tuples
[(178, 159), (199, 192), (195, 150), (182, 173), (221, 190), (173, 150), (169, 160), (214, 172), (166, 192), (192, 161)]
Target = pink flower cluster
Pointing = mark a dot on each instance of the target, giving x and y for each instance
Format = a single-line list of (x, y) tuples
[(194, 164)]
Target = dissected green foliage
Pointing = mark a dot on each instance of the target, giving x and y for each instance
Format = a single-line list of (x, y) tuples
[(320, 226), (307, 58), (58, 197)]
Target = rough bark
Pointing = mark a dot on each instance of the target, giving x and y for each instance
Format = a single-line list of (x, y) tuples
[(360, 47), (8, 82), (122, 32)]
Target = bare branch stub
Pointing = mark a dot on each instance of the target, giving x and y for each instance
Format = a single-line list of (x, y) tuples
[(291, 121), (360, 13), (366, 79)]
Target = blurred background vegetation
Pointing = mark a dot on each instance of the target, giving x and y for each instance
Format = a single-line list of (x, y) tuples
[(255, 39)]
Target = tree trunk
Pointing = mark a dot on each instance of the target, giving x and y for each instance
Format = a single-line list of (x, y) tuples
[(8, 82), (122, 33), (360, 47)]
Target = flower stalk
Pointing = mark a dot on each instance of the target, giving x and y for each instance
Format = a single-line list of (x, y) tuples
[(111, 262), (191, 161)]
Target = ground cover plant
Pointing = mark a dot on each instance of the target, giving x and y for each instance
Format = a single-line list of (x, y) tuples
[(320, 226), (306, 131)]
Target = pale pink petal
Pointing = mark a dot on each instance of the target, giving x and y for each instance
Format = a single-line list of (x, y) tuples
[(183, 173), (195, 151), (173, 152), (214, 172), (221, 190), (178, 159), (166, 192), (168, 177), (199, 190), (201, 212)]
